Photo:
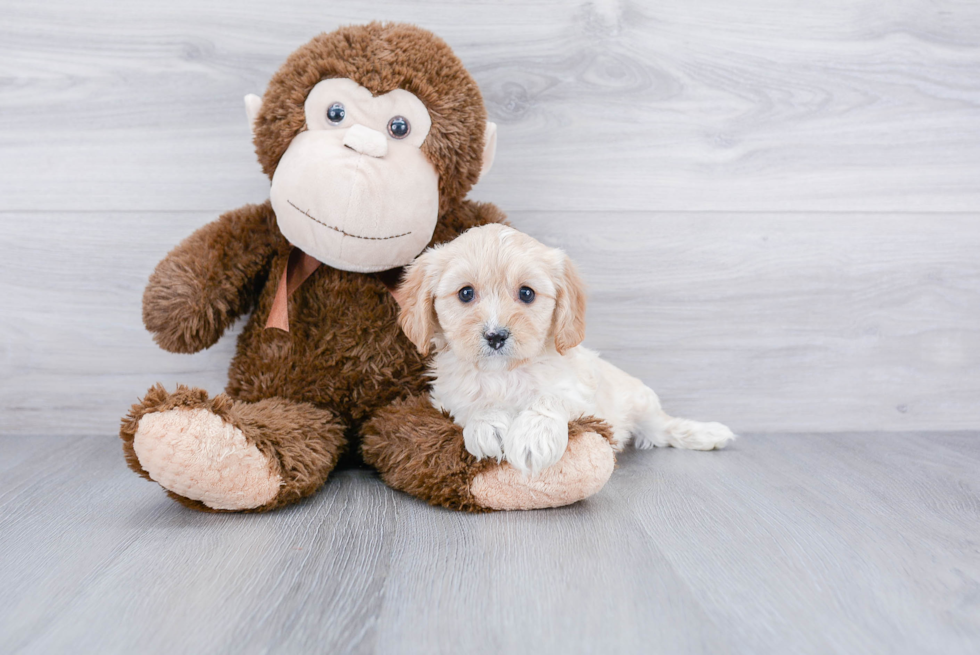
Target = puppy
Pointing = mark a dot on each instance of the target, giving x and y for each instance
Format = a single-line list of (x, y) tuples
[(505, 315)]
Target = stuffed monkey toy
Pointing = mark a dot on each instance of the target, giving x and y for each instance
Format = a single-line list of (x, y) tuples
[(372, 136)]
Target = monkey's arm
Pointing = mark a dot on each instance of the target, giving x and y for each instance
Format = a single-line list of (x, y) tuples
[(421, 451), (212, 277)]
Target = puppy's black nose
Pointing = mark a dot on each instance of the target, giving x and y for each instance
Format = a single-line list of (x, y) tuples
[(496, 339)]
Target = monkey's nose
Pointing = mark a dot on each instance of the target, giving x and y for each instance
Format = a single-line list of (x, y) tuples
[(496, 339), (366, 141)]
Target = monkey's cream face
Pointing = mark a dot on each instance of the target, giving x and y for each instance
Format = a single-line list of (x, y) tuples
[(354, 190)]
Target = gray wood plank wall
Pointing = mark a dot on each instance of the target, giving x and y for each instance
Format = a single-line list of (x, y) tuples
[(776, 204)]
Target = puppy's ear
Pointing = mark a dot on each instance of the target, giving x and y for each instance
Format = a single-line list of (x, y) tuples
[(418, 316), (569, 307)]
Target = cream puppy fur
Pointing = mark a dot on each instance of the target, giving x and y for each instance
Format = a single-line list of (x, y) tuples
[(505, 315)]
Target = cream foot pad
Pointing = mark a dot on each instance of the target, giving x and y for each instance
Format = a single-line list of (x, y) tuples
[(195, 454), (583, 470)]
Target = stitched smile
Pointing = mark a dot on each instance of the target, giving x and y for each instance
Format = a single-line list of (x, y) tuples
[(337, 229)]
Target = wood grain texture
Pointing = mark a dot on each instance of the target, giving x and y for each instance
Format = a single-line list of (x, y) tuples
[(843, 543), (667, 105), (818, 322)]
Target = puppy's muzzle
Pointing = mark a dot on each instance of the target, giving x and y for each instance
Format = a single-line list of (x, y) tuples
[(496, 339)]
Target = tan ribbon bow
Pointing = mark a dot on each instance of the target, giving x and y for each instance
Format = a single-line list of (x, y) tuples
[(301, 266)]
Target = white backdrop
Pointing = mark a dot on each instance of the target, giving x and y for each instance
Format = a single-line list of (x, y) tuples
[(776, 204)]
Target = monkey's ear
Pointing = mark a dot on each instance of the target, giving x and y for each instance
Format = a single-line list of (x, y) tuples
[(418, 315), (569, 308), (253, 104), (489, 148)]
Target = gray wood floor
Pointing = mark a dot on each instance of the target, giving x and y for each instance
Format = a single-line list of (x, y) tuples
[(847, 543)]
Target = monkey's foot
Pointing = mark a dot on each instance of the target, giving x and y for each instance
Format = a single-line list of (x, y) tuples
[(195, 454), (220, 454), (582, 471)]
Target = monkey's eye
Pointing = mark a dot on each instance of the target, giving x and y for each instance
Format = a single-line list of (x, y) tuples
[(465, 294), (526, 294), (398, 127), (336, 113)]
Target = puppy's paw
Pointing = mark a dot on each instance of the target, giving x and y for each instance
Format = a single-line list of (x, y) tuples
[(698, 436), (484, 434), (535, 441)]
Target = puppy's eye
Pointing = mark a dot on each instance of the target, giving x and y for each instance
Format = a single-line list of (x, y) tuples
[(398, 127), (526, 295), (465, 294), (336, 113)]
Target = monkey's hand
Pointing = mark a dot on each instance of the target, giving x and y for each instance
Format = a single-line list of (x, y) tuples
[(210, 279)]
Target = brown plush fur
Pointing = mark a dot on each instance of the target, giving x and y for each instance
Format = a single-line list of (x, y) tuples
[(590, 424), (344, 352), (211, 278), (295, 395), (419, 450)]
